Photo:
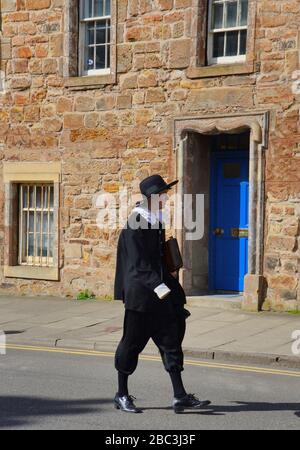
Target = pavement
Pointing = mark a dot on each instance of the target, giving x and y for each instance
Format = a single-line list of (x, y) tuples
[(212, 333)]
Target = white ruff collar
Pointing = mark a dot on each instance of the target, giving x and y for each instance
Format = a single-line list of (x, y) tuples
[(151, 216)]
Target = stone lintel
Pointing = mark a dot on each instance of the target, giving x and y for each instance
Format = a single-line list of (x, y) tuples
[(31, 171)]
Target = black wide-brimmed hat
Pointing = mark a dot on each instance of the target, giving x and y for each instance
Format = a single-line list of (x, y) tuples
[(155, 184)]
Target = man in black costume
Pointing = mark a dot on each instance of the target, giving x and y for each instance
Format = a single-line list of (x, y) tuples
[(154, 299)]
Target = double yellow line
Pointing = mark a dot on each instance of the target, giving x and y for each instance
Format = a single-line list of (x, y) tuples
[(212, 365)]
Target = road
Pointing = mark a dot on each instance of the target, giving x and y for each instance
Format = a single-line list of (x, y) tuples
[(46, 389)]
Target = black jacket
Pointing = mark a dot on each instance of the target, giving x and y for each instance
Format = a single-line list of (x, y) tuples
[(140, 269)]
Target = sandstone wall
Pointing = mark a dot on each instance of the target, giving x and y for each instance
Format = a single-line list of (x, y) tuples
[(119, 133)]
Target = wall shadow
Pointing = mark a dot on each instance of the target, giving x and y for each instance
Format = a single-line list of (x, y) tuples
[(22, 411)]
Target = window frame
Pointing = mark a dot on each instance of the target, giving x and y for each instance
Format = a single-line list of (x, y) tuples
[(211, 60), (81, 46), (199, 66), (14, 174), (73, 79)]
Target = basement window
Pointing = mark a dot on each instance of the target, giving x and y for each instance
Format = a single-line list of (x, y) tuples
[(31, 219)]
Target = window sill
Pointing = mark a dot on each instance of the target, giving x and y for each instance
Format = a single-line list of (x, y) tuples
[(217, 70), (33, 273), (90, 81)]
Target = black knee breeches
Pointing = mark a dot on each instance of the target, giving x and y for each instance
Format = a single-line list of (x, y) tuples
[(167, 332)]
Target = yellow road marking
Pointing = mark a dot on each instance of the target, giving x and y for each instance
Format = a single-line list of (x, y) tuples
[(236, 367)]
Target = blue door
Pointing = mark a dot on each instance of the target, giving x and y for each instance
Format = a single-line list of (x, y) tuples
[(229, 220)]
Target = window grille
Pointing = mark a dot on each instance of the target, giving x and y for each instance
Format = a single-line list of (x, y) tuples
[(36, 224)]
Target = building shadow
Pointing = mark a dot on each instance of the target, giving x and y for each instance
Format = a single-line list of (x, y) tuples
[(22, 411)]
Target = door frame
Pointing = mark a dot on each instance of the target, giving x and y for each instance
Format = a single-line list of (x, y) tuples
[(214, 157), (258, 124)]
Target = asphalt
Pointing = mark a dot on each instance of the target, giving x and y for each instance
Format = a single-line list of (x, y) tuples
[(47, 390), (212, 333)]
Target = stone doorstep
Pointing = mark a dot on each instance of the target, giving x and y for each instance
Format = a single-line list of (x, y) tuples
[(216, 301)]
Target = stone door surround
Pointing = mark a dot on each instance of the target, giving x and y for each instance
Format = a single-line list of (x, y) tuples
[(258, 124)]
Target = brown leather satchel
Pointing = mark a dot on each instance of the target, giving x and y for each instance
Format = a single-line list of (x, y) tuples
[(171, 254)]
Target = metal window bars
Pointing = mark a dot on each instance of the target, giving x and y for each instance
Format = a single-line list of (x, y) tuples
[(36, 224)]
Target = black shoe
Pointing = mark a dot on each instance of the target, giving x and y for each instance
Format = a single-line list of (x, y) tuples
[(189, 401), (125, 403)]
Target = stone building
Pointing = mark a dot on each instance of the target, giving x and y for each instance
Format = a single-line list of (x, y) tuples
[(95, 95)]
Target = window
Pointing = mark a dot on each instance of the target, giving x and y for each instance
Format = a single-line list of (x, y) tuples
[(91, 43), (95, 37), (227, 31), (36, 224), (31, 218)]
